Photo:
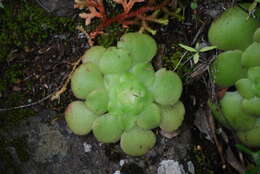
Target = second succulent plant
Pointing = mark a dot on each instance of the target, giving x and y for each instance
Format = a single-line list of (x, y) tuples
[(238, 35)]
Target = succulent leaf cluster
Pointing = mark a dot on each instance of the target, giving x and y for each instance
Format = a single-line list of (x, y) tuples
[(121, 97), (239, 65)]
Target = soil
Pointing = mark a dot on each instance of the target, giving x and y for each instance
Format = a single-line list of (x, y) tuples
[(40, 142)]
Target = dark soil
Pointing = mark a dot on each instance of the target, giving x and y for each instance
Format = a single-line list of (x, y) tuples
[(36, 140)]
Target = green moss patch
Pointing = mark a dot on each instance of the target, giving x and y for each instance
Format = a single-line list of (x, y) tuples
[(23, 23)]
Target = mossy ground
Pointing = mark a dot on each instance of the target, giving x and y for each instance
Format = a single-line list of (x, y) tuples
[(24, 24), (24, 27)]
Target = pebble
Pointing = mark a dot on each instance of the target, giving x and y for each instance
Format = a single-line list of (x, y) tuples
[(87, 147), (117, 172), (170, 167)]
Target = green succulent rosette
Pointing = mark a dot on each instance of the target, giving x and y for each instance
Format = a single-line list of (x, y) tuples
[(123, 97), (240, 110), (238, 34), (249, 88)]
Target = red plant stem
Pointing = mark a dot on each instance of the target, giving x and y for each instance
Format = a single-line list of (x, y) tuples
[(100, 7), (120, 17)]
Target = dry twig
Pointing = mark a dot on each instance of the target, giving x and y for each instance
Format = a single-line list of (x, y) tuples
[(57, 94), (27, 105)]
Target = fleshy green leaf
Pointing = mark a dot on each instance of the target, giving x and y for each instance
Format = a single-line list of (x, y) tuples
[(79, 118), (108, 128), (115, 60), (141, 46), (85, 79), (167, 87), (137, 141), (97, 101), (150, 118), (172, 117)]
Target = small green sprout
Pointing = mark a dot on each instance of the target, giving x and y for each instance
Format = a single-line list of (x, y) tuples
[(197, 50), (252, 8)]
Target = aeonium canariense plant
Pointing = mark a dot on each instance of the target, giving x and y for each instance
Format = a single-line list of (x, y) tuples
[(121, 97), (238, 34)]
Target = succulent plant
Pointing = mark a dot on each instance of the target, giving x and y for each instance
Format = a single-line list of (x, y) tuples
[(239, 35), (256, 36), (236, 117), (240, 110), (250, 56), (251, 137), (250, 89), (134, 42), (233, 29), (93, 55), (79, 118), (123, 97), (223, 73)]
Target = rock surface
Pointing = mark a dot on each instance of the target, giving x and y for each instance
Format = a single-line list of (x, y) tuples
[(57, 7), (50, 147)]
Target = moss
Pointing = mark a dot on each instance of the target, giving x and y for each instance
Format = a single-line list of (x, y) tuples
[(13, 117), (20, 146), (23, 23), (10, 76), (200, 161), (171, 60), (111, 36)]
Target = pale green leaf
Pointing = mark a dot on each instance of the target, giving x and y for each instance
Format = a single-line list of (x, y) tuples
[(196, 58), (188, 48), (205, 49), (252, 7), (197, 46)]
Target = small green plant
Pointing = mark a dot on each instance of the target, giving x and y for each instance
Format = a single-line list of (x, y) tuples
[(252, 7), (197, 50), (122, 98), (255, 156)]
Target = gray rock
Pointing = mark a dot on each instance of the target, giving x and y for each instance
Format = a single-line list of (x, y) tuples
[(57, 7), (49, 147)]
